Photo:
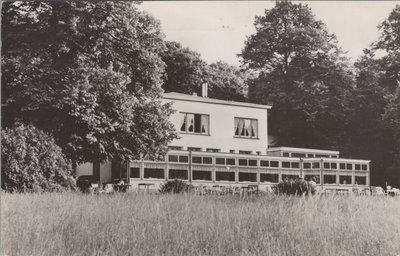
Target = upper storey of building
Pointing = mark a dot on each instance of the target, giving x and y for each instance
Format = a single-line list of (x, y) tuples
[(206, 124)]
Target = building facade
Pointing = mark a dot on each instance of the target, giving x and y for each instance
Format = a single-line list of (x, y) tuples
[(226, 143)]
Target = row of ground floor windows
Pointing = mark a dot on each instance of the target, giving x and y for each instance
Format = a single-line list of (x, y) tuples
[(158, 173)]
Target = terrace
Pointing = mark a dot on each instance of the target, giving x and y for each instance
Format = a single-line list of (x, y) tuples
[(211, 168)]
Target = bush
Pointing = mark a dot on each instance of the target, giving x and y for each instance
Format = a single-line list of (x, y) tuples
[(291, 187), (31, 161), (175, 186)]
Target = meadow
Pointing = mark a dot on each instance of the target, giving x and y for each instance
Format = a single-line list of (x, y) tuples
[(137, 224)]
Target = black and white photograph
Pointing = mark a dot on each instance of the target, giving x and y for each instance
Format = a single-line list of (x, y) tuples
[(200, 128)]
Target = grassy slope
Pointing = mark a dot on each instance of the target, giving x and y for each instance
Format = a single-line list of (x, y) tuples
[(130, 224)]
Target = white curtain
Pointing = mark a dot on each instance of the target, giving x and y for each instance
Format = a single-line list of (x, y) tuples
[(182, 122), (254, 128), (237, 126), (248, 127), (242, 127), (190, 122), (204, 124)]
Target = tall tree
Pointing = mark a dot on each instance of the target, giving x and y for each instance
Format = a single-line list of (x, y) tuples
[(226, 82), (89, 74), (302, 72), (185, 70), (373, 131)]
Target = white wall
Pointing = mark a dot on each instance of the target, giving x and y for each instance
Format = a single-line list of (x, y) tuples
[(221, 127)]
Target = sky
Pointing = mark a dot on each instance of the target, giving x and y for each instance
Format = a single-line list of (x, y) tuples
[(218, 29)]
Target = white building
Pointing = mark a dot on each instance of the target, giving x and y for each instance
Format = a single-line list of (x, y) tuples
[(226, 143)]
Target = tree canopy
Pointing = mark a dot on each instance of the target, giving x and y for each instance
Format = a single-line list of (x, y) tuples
[(89, 74), (302, 72)]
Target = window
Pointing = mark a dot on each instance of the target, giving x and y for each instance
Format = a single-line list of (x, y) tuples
[(264, 163), (232, 151), (310, 155), (178, 174), (267, 177), (175, 148), (194, 123), (349, 166), (364, 167), (193, 149), (285, 154), (207, 160), (230, 161), (135, 172), (295, 165), (306, 165), (327, 166), (298, 155), (244, 152), (329, 179), (176, 158), (196, 159), (247, 176), (215, 150), (252, 162), (357, 167), (201, 175), (183, 159), (172, 158), (246, 128), (342, 166), (274, 164), (319, 156), (333, 165), (224, 176), (285, 164), (315, 165), (220, 161), (345, 179), (153, 173), (361, 180), (243, 162)]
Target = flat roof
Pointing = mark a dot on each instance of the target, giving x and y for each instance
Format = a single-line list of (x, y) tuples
[(194, 98), (303, 150)]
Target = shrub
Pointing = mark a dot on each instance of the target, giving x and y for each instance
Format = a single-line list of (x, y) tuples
[(31, 161), (291, 187), (175, 186)]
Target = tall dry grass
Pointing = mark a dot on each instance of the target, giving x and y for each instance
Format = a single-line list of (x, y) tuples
[(131, 224)]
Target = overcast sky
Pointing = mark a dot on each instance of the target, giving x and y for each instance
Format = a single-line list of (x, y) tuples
[(218, 29)]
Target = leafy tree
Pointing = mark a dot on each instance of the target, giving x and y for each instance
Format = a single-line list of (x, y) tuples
[(226, 82), (88, 73), (185, 70), (31, 161), (373, 130), (302, 72)]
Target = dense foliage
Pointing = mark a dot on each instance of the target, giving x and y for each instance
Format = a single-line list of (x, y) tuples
[(374, 128), (88, 73), (31, 161), (295, 187), (175, 187), (186, 72), (301, 71)]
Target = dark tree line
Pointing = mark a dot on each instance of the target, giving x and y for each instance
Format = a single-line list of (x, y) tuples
[(319, 99)]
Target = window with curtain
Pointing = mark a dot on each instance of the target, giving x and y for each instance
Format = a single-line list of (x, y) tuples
[(246, 128), (194, 123)]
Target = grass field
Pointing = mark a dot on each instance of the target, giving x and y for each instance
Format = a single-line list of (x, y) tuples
[(131, 224)]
